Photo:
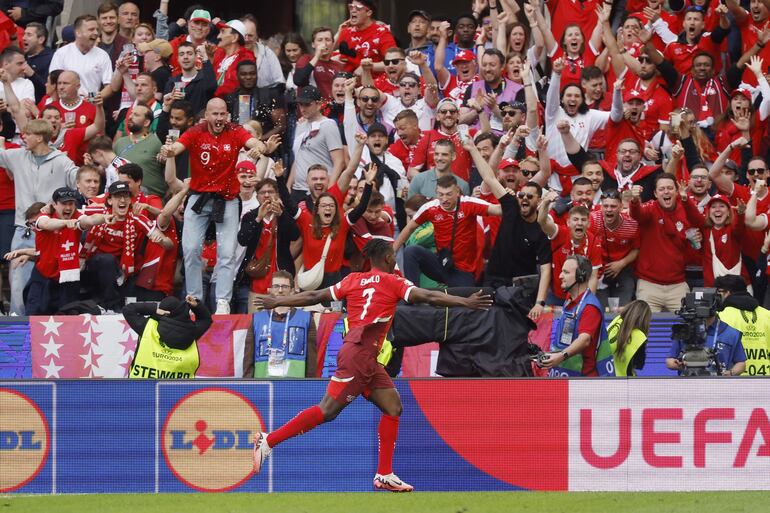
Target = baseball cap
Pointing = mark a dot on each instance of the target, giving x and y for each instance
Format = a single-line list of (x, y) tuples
[(236, 25), (731, 165), (420, 13), (521, 106), (159, 45), (200, 14), (118, 188), (632, 94), (309, 94), (463, 56), (68, 34), (63, 194), (506, 163), (377, 128), (718, 197), (246, 166), (745, 92)]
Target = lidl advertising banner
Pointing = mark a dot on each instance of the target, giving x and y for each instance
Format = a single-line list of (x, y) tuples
[(75, 436)]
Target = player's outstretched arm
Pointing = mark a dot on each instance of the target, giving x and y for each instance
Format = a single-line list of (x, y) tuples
[(476, 301), (307, 298)]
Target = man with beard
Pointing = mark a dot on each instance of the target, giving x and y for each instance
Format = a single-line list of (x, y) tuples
[(55, 280), (141, 147), (520, 248), (264, 104), (176, 115), (192, 84), (229, 54), (448, 116), (425, 183), (362, 37), (619, 238), (628, 171), (368, 102), (143, 90), (566, 240), (701, 90), (409, 93), (213, 146), (111, 250), (699, 185), (486, 94), (91, 63), (395, 67), (662, 228), (198, 29)]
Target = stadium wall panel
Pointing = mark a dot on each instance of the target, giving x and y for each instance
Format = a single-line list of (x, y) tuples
[(78, 436)]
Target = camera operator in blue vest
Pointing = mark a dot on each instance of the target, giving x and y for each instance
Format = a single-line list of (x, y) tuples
[(284, 338), (703, 345)]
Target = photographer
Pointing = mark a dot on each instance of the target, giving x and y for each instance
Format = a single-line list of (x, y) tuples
[(742, 312), (704, 345)]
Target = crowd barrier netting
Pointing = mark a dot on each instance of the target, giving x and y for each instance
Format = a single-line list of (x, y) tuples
[(92, 436)]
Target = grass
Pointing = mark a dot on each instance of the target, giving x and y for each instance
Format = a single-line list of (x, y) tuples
[(426, 502)]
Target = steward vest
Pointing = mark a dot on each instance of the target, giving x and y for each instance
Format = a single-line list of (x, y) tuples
[(567, 324), (155, 360), (289, 335), (754, 326), (386, 351), (623, 360)]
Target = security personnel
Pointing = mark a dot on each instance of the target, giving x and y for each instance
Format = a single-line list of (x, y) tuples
[(579, 345), (284, 338), (167, 347), (742, 312), (627, 335)]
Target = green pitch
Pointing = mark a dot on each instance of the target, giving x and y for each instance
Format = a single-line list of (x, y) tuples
[(426, 502)]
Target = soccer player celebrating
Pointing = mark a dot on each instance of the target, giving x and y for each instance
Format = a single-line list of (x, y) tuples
[(371, 301)]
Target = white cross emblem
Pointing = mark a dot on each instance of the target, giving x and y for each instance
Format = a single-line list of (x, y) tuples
[(68, 245)]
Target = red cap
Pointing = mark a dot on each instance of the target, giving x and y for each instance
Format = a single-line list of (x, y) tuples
[(505, 163), (745, 92), (632, 94), (463, 56), (718, 197), (246, 166)]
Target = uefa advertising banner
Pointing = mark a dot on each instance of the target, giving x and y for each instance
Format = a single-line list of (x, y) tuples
[(455, 435)]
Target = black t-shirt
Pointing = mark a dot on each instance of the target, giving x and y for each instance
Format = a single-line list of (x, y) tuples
[(521, 247), (161, 76)]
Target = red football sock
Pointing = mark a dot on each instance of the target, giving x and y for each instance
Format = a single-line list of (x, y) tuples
[(387, 432), (302, 423)]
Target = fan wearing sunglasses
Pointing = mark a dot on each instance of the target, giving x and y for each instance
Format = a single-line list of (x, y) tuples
[(395, 67), (520, 247), (362, 37), (409, 92)]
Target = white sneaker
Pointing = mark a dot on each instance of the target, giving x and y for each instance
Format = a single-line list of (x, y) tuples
[(261, 451), (223, 307), (391, 483)]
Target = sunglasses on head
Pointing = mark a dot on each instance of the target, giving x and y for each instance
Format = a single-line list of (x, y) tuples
[(369, 99), (522, 195), (391, 62), (611, 194), (758, 170)]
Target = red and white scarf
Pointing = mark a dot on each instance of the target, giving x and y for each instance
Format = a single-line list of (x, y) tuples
[(130, 233)]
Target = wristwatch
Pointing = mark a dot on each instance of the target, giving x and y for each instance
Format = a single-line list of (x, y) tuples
[(565, 354), (541, 303)]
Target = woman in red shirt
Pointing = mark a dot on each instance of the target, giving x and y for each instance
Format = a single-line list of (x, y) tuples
[(326, 220), (723, 233)]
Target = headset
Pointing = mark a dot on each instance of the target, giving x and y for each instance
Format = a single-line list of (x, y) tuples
[(583, 271)]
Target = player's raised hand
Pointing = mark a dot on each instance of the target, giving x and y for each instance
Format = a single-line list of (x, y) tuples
[(478, 301)]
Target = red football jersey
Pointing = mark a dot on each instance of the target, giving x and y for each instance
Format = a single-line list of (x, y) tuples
[(371, 296), (562, 247), (465, 251), (617, 243), (371, 42), (213, 158)]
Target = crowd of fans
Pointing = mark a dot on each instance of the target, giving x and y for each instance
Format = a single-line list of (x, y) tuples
[(147, 157)]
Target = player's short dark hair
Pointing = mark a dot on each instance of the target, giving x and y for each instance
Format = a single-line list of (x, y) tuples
[(376, 200), (664, 176), (83, 19), (446, 181), (148, 114), (131, 170), (536, 186), (487, 136), (376, 249), (466, 15), (184, 106), (106, 7), (496, 53), (445, 142), (405, 114), (266, 181), (246, 63)]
